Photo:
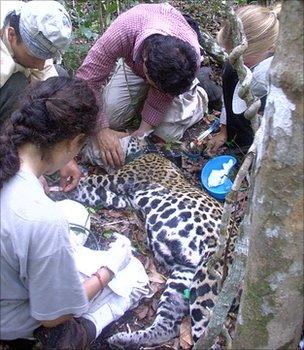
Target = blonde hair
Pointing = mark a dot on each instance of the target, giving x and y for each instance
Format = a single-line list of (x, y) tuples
[(261, 27)]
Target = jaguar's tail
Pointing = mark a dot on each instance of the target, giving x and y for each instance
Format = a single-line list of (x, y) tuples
[(172, 307)]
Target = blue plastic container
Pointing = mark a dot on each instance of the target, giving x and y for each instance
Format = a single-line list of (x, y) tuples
[(218, 192)]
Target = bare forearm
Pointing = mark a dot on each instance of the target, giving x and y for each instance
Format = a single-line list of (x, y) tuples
[(143, 129), (94, 284)]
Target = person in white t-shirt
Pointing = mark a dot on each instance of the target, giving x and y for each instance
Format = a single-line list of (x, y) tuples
[(42, 292)]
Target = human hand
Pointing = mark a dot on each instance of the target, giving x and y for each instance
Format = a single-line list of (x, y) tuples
[(44, 184), (143, 129), (118, 258), (217, 141), (110, 149), (70, 175)]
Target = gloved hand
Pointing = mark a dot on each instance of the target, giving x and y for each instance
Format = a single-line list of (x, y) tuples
[(118, 256)]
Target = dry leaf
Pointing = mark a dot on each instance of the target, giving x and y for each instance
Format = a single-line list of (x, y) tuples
[(141, 311), (156, 277), (185, 338), (153, 275), (156, 287)]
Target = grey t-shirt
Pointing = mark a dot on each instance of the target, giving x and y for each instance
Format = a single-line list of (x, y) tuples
[(39, 279)]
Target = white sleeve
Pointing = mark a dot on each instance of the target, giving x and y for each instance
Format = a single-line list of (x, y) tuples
[(48, 71), (54, 284)]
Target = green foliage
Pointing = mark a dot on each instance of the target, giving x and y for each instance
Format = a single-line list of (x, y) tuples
[(90, 19), (74, 55), (107, 234), (172, 144)]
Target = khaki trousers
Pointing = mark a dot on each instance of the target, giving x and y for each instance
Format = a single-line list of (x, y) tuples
[(123, 98)]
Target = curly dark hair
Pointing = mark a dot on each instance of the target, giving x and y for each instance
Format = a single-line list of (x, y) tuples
[(52, 111), (171, 63)]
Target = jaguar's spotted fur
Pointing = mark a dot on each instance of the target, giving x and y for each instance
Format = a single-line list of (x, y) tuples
[(182, 224)]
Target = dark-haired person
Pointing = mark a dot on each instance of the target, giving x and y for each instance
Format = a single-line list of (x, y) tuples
[(41, 287), (158, 58), (32, 34)]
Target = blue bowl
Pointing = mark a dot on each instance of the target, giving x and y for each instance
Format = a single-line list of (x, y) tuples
[(218, 192)]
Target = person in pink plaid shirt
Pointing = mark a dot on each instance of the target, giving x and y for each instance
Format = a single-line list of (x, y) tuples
[(152, 56)]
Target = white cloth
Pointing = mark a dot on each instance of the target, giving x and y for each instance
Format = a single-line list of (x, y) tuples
[(128, 287), (91, 153), (259, 85), (218, 177), (108, 306), (78, 217)]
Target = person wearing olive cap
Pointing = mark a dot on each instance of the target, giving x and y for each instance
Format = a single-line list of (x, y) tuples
[(32, 35)]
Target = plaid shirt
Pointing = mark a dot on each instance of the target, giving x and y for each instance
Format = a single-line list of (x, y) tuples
[(124, 39)]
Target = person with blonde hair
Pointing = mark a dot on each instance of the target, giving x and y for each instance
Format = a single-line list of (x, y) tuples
[(261, 27)]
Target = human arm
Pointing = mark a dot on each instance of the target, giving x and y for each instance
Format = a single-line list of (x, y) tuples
[(110, 148), (92, 286), (54, 277), (101, 60), (143, 129), (219, 139), (155, 107)]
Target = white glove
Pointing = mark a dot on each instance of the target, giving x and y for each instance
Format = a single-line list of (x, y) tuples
[(118, 256)]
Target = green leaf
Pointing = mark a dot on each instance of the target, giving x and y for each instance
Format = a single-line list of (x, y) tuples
[(86, 32), (91, 210), (107, 234), (112, 7)]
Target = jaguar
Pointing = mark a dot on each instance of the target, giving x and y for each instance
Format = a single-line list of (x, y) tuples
[(182, 226)]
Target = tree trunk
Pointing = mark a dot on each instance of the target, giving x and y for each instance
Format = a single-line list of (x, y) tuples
[(271, 312)]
